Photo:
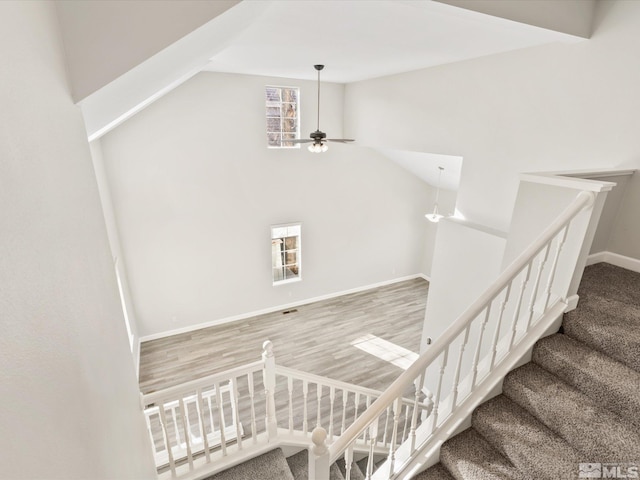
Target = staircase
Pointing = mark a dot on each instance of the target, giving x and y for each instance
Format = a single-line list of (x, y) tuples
[(577, 401), (274, 465)]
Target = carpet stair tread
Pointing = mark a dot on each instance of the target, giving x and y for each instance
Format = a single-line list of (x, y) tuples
[(608, 281), (602, 326), (468, 455), (356, 473), (269, 466), (588, 427), (528, 444), (299, 467), (437, 472), (611, 384)]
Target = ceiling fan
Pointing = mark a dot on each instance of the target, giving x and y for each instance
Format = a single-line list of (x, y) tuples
[(319, 138)]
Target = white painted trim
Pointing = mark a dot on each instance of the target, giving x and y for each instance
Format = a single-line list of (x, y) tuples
[(598, 173), (424, 277), (616, 259), (277, 308), (560, 180), (477, 226), (138, 359)]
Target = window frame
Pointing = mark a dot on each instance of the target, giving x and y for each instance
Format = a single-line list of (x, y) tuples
[(281, 131), (297, 250)]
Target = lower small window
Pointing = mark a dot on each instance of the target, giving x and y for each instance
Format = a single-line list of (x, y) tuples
[(285, 253)]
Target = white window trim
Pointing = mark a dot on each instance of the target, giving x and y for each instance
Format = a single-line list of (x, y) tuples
[(277, 283), (297, 145)]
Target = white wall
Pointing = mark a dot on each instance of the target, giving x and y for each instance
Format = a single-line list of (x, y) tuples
[(195, 190), (625, 234), (447, 207), (554, 107), (116, 249), (105, 39), (466, 260), (70, 403), (613, 218)]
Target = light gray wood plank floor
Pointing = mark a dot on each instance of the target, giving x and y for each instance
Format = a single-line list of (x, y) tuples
[(317, 339)]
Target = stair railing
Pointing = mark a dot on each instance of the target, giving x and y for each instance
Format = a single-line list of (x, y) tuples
[(511, 306), (228, 417)]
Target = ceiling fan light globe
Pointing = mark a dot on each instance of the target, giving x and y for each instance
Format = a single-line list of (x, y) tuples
[(324, 147)]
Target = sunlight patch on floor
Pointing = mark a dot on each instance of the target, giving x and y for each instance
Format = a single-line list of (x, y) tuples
[(384, 350)]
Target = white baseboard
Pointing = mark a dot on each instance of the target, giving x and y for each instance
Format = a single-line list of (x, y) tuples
[(616, 259), (277, 308)]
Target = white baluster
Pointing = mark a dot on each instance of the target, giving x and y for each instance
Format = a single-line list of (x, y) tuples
[(456, 377), (436, 401), (345, 399), (235, 410), (319, 455), (209, 398), (254, 426), (364, 434), (373, 435), (167, 440), (305, 394), (394, 435), (534, 293), (269, 374), (406, 423), (414, 416), (174, 420), (348, 462), (332, 398), (223, 439), (205, 438), (187, 433), (147, 417), (516, 313), (386, 425), (496, 333), (356, 401), (554, 266), (319, 397), (290, 390), (476, 357)]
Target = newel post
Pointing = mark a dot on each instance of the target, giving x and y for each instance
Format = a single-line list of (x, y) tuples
[(269, 378), (319, 455)]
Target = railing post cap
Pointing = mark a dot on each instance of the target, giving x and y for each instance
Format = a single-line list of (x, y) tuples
[(319, 437), (267, 347)]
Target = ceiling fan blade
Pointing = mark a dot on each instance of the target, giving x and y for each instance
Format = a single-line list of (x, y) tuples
[(298, 140), (341, 140)]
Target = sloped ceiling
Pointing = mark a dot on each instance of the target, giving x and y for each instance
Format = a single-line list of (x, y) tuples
[(356, 39), (425, 166)]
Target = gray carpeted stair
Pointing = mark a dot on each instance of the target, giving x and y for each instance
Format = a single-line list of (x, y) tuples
[(299, 465), (270, 466), (526, 442), (577, 401), (600, 377), (584, 424), (469, 455)]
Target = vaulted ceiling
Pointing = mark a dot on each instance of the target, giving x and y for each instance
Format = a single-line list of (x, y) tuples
[(124, 55)]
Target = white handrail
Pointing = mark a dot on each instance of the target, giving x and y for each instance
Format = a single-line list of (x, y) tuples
[(583, 200), (177, 391), (329, 382)]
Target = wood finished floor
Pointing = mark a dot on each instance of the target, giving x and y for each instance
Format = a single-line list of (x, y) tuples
[(317, 339)]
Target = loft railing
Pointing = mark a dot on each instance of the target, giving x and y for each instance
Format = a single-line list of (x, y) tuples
[(206, 424), (512, 307)]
